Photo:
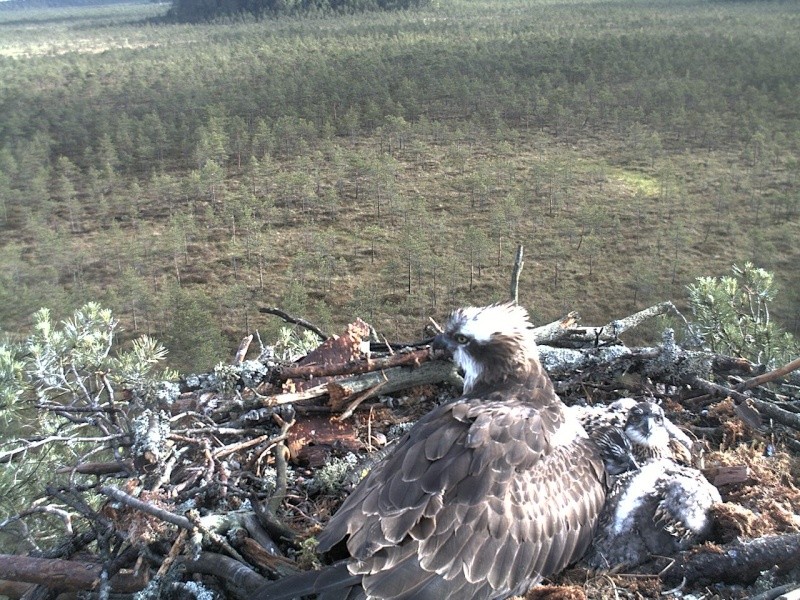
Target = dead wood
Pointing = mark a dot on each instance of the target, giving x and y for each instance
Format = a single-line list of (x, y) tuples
[(241, 581), (773, 375), (307, 371), (570, 334), (59, 574), (740, 562), (266, 459), (271, 310), (516, 272), (146, 507), (241, 351), (391, 380)]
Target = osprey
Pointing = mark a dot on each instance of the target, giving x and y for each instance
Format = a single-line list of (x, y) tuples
[(482, 498), (650, 435), (656, 506), (657, 510)]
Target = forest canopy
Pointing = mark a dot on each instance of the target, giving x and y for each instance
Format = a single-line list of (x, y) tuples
[(385, 164), (204, 10)]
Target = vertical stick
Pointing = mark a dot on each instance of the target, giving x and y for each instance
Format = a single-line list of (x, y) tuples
[(518, 262)]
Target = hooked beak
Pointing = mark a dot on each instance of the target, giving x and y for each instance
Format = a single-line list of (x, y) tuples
[(442, 345)]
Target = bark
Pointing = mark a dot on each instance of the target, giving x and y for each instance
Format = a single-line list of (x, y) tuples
[(741, 562), (58, 574)]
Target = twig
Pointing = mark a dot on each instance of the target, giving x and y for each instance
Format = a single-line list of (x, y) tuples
[(281, 478), (174, 552), (230, 449), (370, 393), (11, 454)]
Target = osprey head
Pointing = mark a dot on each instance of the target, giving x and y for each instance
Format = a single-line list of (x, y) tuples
[(615, 450), (645, 425), (490, 343)]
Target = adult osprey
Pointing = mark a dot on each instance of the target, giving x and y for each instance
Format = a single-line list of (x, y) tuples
[(483, 497)]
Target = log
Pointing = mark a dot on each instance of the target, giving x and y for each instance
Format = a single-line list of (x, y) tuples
[(396, 379), (740, 562), (241, 580), (66, 575), (412, 359)]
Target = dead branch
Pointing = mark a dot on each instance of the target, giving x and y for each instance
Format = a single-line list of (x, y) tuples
[(271, 310), (239, 446), (518, 263), (573, 336), (771, 376), (740, 562), (59, 574), (414, 359), (29, 445), (241, 580), (99, 468), (159, 513), (545, 334), (784, 417), (396, 378), (241, 352), (370, 393)]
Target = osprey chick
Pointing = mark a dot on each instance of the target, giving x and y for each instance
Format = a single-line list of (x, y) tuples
[(657, 510), (482, 498), (650, 434)]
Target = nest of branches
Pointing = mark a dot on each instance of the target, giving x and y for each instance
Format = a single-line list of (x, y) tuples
[(219, 484)]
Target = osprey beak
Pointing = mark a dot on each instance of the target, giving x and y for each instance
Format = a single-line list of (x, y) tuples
[(443, 343)]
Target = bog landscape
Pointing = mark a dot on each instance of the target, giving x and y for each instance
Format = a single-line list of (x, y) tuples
[(386, 164)]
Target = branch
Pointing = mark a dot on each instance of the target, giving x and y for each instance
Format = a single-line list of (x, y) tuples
[(61, 574), (566, 332), (8, 456), (518, 263), (140, 505), (396, 379), (771, 376), (241, 352), (242, 580), (557, 329), (740, 562), (270, 310), (353, 368)]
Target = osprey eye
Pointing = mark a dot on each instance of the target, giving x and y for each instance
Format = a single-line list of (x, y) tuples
[(460, 338)]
